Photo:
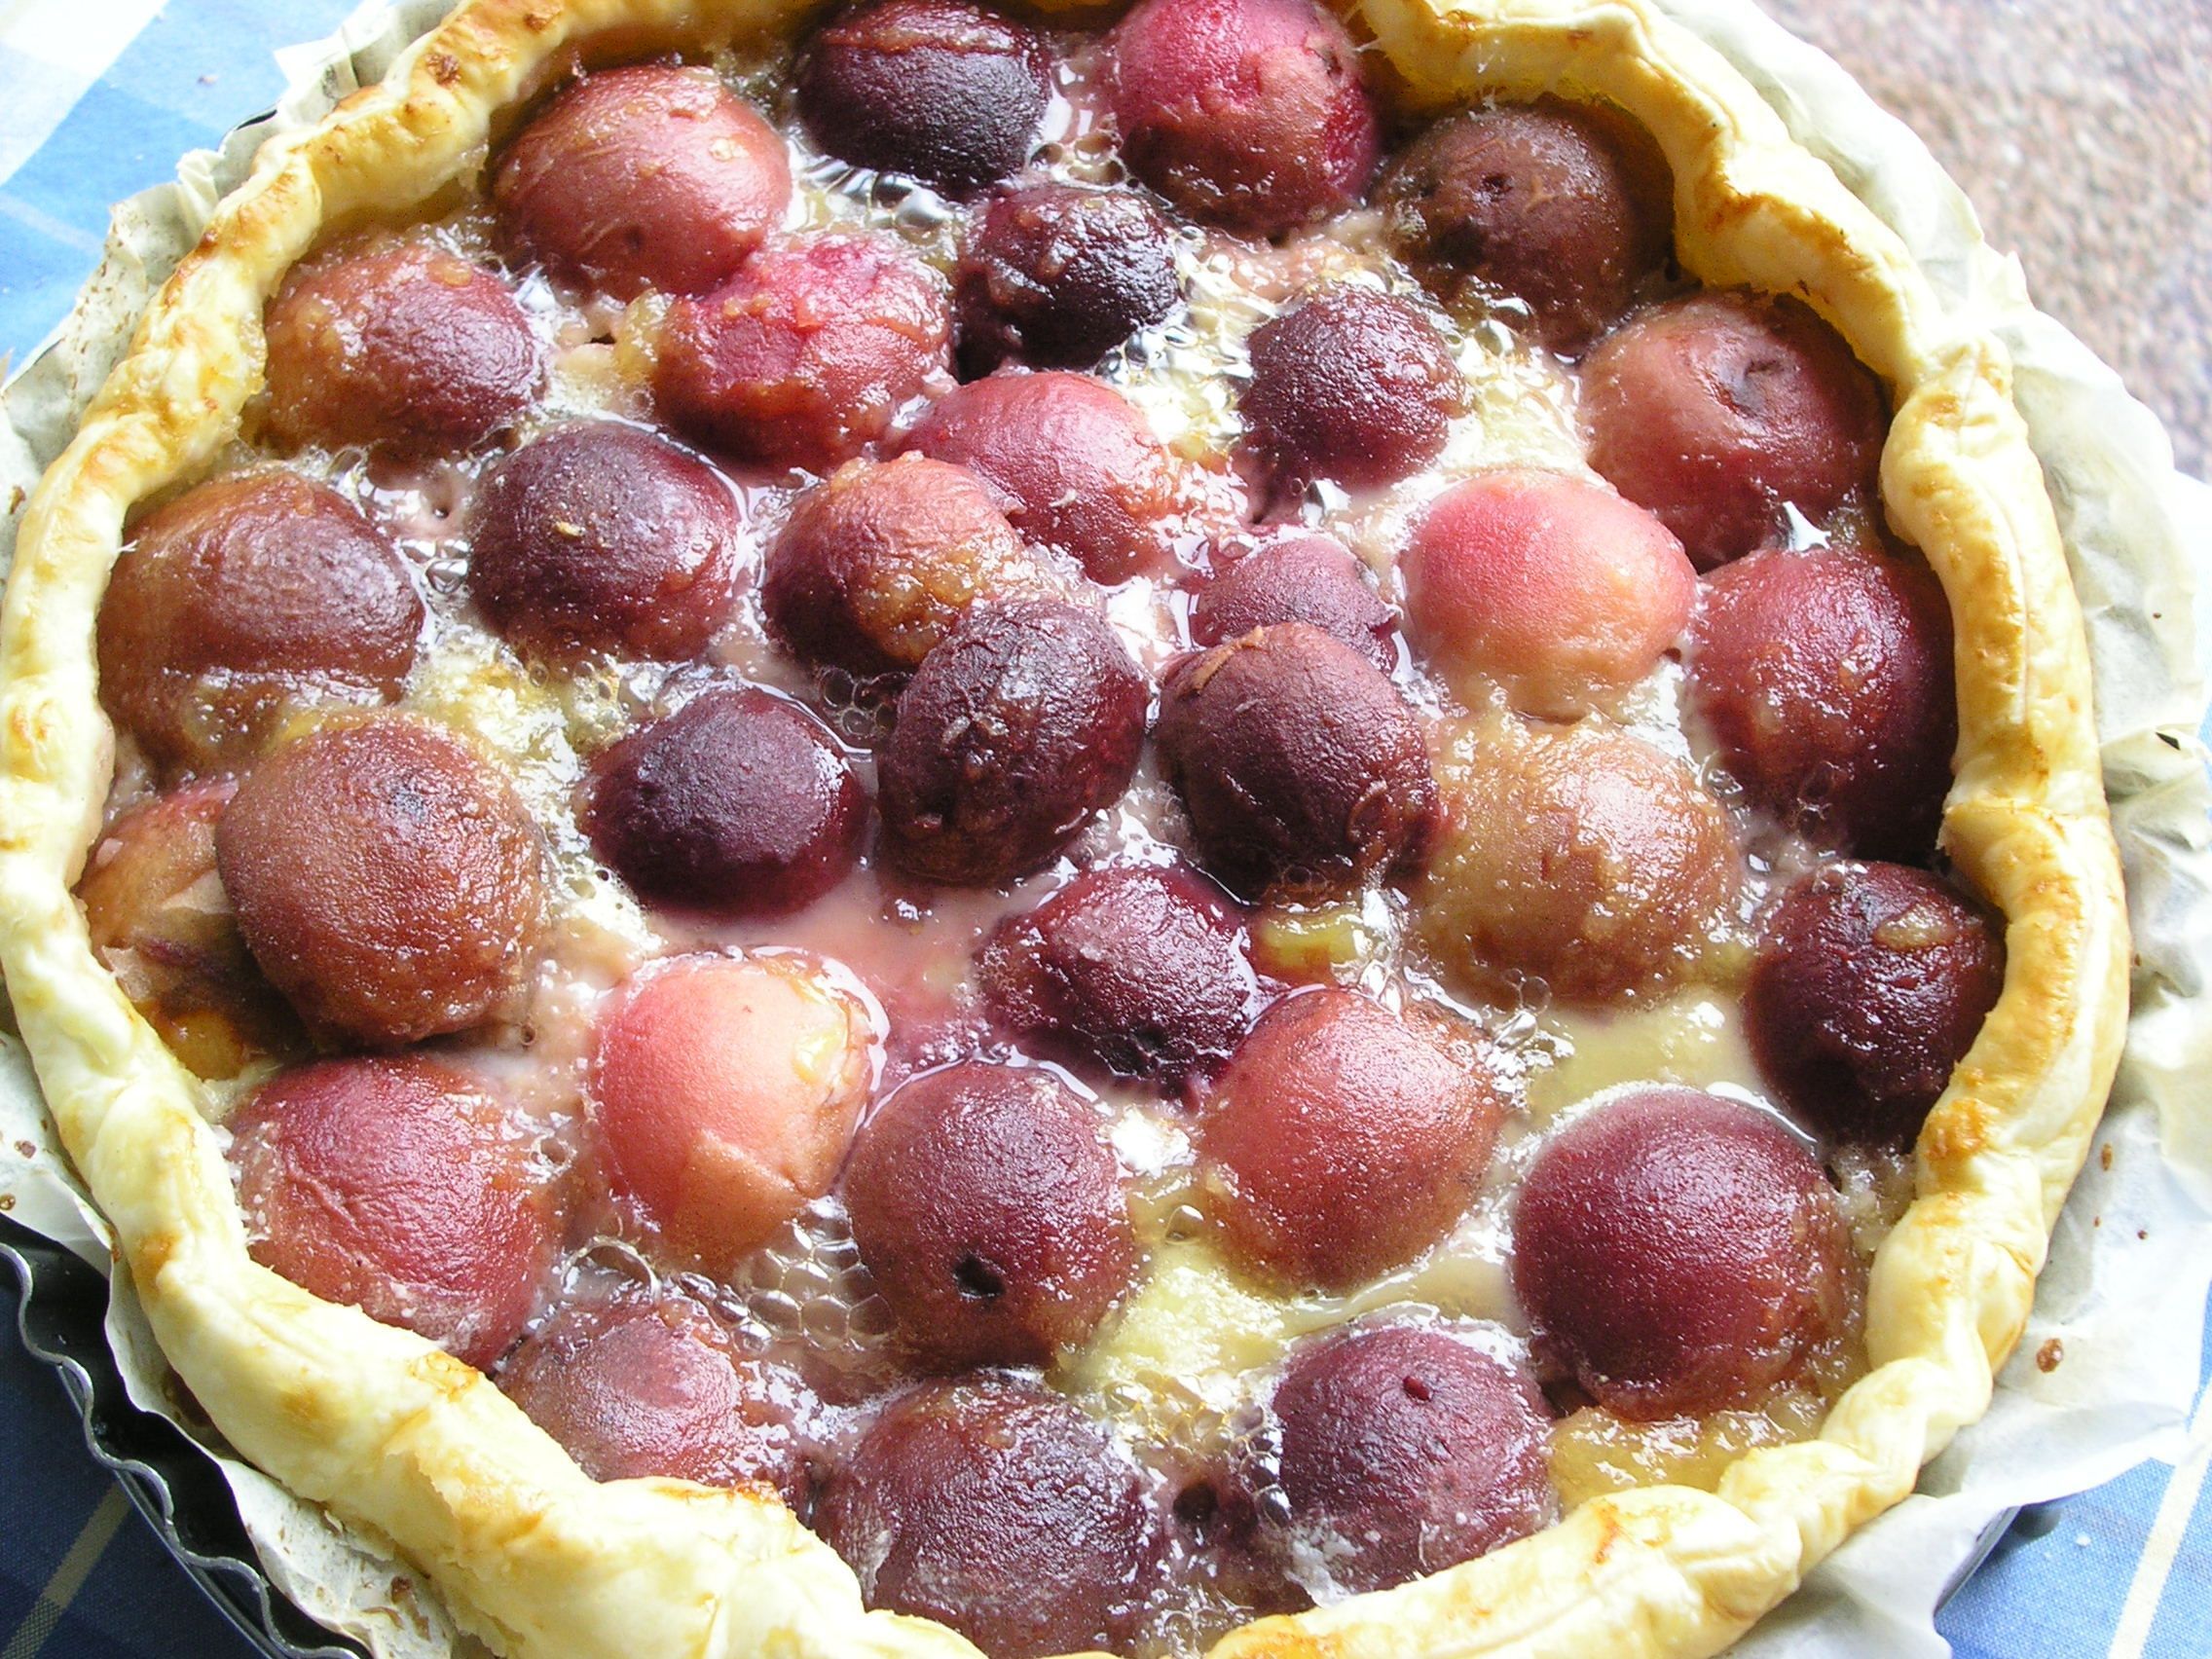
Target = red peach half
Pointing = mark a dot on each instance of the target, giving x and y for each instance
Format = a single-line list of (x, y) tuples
[(1553, 587), (724, 1091)]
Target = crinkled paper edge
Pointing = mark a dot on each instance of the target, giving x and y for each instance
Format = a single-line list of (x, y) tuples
[(2125, 1311)]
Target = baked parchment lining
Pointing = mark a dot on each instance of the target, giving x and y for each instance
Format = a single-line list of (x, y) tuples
[(396, 1437)]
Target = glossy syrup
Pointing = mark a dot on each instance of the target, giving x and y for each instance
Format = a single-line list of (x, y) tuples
[(1180, 1370)]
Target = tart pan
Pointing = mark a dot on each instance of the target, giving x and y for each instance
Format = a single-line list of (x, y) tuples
[(168, 1478)]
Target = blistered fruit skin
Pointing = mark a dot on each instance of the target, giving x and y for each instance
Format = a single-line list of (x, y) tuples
[(1056, 275), (1547, 203), (998, 1508), (404, 344), (1583, 858), (603, 537), (1352, 386), (1144, 970), (738, 804), (723, 1093), (1825, 676), (806, 356), (1298, 577), (877, 566), (1405, 1451), (945, 92), (389, 882), (1550, 586), (159, 922), (1247, 114), (401, 1187), (1069, 461), (652, 177), (653, 1385), (1298, 761), (1871, 984), (1025, 721), (1719, 410), (990, 1212), (1341, 1139), (1679, 1253), (241, 596)]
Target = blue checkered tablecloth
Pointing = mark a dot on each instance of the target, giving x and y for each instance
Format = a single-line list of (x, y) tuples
[(97, 99)]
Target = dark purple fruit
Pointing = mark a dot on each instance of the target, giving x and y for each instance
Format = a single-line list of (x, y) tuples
[(1297, 760), (400, 342), (806, 356), (1349, 384), (1298, 576), (1248, 113), (738, 804), (387, 879), (1826, 679), (604, 537), (1719, 410), (241, 596), (1870, 985), (1405, 1451), (1557, 206), (1000, 1509), (1679, 1253), (644, 1385), (653, 176), (400, 1187), (1025, 721), (945, 92), (1056, 275), (1343, 1139), (1143, 970), (990, 1212)]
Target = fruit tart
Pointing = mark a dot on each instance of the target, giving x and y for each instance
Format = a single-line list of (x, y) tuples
[(1221, 829)]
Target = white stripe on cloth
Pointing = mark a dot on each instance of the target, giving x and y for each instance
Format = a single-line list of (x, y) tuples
[(29, 1636), (2140, 1611), (72, 45)]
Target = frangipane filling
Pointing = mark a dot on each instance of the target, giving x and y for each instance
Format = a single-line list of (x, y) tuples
[(980, 772)]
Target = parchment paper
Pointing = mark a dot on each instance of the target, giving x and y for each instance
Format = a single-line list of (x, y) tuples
[(2123, 1295)]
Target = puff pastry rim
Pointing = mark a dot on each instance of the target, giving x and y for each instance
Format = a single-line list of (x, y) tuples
[(396, 1438)]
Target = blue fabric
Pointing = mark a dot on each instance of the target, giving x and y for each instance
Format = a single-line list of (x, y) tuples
[(2055, 1588), (2058, 1581), (134, 1603), (194, 71)]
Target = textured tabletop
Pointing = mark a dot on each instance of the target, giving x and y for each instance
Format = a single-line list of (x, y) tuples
[(2082, 131)]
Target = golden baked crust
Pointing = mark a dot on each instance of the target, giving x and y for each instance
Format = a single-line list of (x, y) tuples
[(398, 1438)]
